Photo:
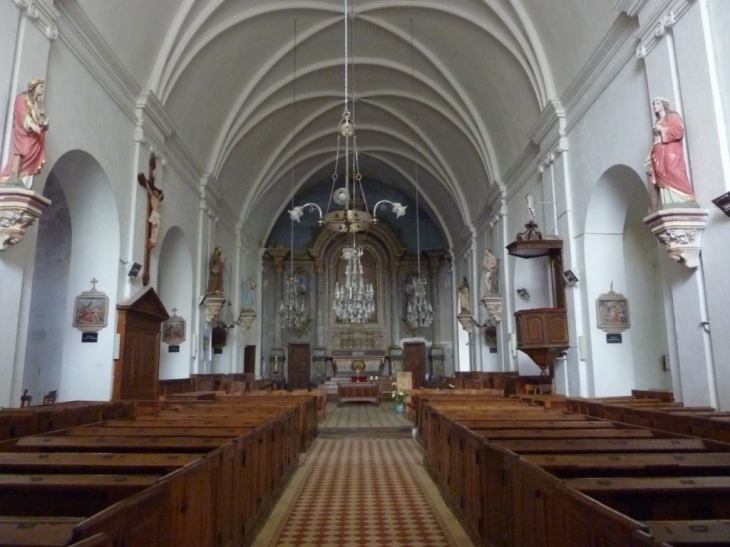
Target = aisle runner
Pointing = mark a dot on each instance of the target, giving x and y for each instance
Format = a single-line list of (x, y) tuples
[(362, 493)]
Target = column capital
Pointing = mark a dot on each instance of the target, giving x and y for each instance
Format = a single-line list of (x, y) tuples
[(319, 266), (393, 266)]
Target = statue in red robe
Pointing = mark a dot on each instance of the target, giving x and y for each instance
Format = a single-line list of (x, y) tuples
[(666, 164), (30, 123)]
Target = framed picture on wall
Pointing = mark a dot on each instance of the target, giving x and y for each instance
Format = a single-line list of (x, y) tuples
[(173, 330), (612, 312), (91, 310)]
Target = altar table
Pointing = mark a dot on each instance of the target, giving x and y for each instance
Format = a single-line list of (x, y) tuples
[(364, 392)]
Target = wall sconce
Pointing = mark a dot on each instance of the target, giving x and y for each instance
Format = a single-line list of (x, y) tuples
[(134, 269), (522, 293), (570, 278), (723, 203)]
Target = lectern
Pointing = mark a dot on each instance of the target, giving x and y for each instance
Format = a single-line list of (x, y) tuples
[(542, 333)]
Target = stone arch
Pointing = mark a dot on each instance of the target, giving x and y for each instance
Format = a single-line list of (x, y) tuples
[(175, 288), (618, 249), (81, 228)]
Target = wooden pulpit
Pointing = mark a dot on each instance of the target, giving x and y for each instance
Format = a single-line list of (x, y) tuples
[(542, 333), (136, 371)]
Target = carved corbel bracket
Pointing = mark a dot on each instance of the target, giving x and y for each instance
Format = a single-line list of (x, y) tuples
[(680, 230), (493, 305), (213, 304), (19, 208), (246, 318)]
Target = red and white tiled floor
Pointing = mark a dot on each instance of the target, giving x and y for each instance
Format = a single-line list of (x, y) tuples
[(362, 493)]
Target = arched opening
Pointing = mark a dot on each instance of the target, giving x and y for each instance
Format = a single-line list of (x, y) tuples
[(78, 241), (48, 315), (175, 288), (620, 251)]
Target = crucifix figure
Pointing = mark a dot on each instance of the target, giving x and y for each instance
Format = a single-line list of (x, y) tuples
[(154, 217)]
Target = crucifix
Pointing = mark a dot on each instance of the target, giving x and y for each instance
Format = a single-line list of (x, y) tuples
[(154, 217)]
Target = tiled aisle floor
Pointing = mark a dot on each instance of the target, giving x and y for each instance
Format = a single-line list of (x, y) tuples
[(362, 493), (352, 415)]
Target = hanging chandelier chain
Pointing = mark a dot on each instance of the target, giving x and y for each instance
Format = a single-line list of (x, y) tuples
[(293, 308), (419, 312), (346, 53)]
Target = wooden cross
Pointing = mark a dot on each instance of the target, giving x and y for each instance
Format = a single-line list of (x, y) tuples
[(154, 199)]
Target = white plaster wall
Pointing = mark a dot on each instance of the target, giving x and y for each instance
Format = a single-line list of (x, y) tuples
[(175, 288), (48, 313), (644, 291), (87, 367)]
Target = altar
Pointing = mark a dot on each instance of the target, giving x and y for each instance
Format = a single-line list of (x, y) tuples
[(358, 392)]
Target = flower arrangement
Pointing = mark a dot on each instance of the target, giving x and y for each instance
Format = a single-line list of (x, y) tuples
[(399, 397)]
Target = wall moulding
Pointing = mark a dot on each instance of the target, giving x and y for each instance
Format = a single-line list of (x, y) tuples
[(658, 23), (42, 13)]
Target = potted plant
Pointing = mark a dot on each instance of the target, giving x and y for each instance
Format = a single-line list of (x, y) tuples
[(400, 401)]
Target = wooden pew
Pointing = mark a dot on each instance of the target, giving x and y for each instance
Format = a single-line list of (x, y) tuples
[(566, 481), (698, 533), (215, 497), (69, 495), (45, 532)]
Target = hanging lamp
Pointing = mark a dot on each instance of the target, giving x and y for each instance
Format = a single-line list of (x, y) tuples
[(419, 312), (293, 306)]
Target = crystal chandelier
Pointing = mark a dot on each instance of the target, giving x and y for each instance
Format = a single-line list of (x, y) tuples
[(419, 312), (355, 299), (293, 306)]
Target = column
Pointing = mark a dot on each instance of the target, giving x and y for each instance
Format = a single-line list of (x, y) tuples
[(437, 350), (682, 63), (395, 350), (320, 350), (26, 32), (277, 355)]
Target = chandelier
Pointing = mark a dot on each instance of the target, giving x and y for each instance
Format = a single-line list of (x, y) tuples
[(419, 312), (355, 299), (293, 306)]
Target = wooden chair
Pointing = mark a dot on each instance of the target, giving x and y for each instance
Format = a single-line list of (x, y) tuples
[(50, 397), (25, 399)]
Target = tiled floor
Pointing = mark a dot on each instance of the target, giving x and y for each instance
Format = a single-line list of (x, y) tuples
[(352, 415), (362, 493)]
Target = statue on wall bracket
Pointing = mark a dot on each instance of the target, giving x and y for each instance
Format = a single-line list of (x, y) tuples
[(19, 205), (491, 300), (675, 217)]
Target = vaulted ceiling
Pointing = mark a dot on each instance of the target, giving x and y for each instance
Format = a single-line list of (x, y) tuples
[(463, 80)]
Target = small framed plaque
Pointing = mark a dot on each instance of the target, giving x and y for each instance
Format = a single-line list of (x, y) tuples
[(612, 312), (90, 310)]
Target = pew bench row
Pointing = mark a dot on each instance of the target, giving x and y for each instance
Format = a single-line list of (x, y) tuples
[(522, 475), (188, 474)]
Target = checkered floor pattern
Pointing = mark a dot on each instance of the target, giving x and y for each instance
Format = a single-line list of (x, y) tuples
[(363, 415), (362, 493)]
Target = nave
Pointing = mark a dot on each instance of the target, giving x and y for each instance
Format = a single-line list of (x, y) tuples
[(362, 483)]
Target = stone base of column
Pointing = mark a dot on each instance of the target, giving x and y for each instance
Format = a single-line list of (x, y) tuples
[(396, 359), (319, 371), (437, 361), (275, 370)]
